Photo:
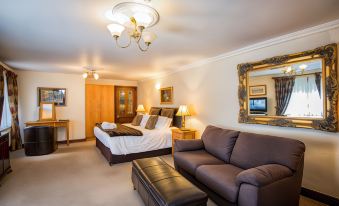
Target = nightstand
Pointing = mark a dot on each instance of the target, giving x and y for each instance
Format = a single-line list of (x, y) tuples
[(182, 134)]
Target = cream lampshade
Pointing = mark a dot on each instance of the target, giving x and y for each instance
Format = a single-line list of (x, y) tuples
[(141, 108), (183, 111)]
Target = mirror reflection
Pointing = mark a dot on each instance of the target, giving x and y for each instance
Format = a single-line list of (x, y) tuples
[(291, 90), (46, 111)]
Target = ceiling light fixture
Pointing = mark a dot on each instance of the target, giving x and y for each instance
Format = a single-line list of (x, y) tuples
[(91, 73), (134, 18), (290, 70)]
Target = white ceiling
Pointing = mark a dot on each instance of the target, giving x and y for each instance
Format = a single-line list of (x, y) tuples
[(66, 35)]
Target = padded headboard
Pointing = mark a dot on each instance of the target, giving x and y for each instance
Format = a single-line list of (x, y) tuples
[(177, 121)]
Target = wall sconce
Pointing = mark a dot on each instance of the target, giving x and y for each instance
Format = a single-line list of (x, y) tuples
[(157, 86)]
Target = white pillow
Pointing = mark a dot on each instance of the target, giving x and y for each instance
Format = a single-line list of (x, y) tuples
[(144, 120), (161, 123)]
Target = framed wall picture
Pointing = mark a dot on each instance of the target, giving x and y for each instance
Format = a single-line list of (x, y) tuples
[(52, 95), (166, 95), (257, 90)]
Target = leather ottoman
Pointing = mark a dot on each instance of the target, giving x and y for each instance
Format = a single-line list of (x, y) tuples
[(159, 184)]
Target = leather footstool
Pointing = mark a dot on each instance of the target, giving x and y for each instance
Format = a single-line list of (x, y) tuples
[(159, 184)]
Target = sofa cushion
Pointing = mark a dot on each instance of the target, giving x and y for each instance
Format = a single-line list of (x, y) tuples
[(263, 175), (191, 160), (221, 179), (219, 142), (253, 150)]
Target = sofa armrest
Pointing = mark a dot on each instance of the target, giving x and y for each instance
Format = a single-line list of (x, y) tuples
[(181, 145), (263, 175)]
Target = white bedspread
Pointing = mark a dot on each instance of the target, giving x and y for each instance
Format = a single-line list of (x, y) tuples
[(151, 140)]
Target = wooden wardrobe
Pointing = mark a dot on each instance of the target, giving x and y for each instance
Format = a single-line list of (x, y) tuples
[(99, 106)]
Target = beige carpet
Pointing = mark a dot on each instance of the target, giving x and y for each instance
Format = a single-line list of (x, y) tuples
[(76, 175)]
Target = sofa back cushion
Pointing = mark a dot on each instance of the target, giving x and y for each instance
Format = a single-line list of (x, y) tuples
[(252, 150), (219, 142)]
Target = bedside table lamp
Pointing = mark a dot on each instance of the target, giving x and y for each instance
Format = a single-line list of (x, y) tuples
[(183, 112), (141, 109)]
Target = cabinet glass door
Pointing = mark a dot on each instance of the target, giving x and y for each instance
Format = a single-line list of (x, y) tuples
[(125, 104)]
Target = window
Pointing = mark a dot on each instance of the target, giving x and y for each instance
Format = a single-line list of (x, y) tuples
[(306, 100), (6, 120)]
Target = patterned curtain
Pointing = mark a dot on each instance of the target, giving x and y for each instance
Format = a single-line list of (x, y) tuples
[(318, 82), (2, 84), (283, 91), (16, 142)]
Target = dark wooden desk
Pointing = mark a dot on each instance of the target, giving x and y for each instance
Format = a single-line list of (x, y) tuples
[(56, 123)]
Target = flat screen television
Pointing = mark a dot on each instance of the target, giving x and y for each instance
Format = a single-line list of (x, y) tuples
[(258, 104)]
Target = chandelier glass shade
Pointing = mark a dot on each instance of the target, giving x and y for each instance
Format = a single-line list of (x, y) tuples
[(133, 19), (289, 70)]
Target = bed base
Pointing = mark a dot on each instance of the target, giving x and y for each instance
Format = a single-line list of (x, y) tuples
[(115, 159)]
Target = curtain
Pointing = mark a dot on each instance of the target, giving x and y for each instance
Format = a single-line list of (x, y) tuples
[(305, 100), (283, 91), (6, 117), (2, 84), (318, 82), (12, 85)]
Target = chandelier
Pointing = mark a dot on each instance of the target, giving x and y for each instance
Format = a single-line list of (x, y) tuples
[(91, 73), (290, 70), (133, 18)]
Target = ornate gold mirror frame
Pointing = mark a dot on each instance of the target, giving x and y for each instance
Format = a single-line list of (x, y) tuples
[(328, 123)]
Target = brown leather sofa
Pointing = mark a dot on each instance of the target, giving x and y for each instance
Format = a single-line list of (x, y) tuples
[(239, 168)]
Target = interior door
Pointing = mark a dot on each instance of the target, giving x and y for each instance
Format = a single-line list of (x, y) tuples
[(125, 103), (99, 106)]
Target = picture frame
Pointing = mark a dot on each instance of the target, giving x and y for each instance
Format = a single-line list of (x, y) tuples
[(166, 95), (257, 90), (52, 95)]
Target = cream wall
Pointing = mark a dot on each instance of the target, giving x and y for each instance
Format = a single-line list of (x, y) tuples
[(29, 81), (112, 82), (211, 90)]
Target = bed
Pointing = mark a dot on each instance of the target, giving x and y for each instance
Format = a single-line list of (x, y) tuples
[(121, 149)]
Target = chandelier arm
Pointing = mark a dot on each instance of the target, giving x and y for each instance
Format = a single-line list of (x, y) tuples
[(143, 49), (139, 44), (117, 42)]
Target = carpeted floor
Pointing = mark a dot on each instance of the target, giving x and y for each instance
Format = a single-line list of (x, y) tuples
[(75, 175)]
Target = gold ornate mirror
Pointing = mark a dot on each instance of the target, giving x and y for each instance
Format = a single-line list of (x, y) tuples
[(296, 90)]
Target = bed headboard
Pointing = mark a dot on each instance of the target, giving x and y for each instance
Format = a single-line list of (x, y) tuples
[(177, 120)]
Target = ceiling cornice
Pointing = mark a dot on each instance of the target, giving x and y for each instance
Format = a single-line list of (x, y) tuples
[(274, 41), (7, 67)]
